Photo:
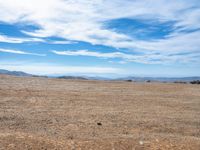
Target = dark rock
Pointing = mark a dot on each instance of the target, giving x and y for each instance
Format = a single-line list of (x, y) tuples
[(99, 123)]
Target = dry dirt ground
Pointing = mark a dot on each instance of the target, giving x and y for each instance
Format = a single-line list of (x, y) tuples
[(41, 113)]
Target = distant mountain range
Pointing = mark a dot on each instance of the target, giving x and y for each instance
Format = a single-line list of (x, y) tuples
[(137, 79), (15, 73)]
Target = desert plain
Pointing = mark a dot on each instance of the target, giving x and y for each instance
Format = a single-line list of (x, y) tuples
[(44, 113)]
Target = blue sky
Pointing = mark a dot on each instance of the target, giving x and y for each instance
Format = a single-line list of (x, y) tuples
[(109, 38)]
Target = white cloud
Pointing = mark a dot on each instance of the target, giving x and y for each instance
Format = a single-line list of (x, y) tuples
[(62, 42), (149, 58), (6, 39), (83, 20), (19, 52), (17, 40), (92, 53)]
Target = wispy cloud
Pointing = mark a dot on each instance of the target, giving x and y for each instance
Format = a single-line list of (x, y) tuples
[(6, 39), (93, 53), (20, 52), (62, 42), (85, 21), (149, 58)]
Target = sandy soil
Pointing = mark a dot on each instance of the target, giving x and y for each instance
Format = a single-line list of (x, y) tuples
[(41, 113)]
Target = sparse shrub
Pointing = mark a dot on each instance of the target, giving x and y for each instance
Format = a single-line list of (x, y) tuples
[(180, 82), (128, 80), (195, 82)]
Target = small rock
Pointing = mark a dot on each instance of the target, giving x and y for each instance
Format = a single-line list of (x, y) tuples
[(141, 142), (99, 123)]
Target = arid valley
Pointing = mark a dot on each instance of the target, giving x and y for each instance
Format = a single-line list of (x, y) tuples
[(42, 113)]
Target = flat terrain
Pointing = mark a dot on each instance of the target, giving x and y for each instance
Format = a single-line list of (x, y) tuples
[(41, 113)]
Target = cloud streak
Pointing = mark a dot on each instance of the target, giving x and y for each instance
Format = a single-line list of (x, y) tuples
[(93, 54), (20, 52), (149, 58), (6, 39)]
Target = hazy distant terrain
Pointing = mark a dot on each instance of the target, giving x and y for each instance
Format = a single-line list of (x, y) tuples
[(130, 78), (42, 113), (15, 73)]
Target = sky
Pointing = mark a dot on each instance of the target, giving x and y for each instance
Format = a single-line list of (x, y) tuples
[(111, 38)]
